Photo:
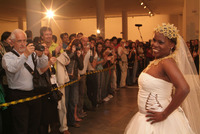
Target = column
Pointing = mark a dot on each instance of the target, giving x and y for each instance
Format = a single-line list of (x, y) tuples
[(20, 23), (180, 24), (100, 17), (191, 20), (33, 16), (124, 25)]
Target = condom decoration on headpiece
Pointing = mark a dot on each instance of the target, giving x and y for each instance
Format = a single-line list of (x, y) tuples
[(167, 30)]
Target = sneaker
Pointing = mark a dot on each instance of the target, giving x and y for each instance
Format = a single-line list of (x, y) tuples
[(110, 96), (106, 99)]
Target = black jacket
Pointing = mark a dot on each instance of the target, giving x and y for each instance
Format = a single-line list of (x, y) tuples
[(75, 64)]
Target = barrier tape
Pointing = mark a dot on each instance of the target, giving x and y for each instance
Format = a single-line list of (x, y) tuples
[(41, 95)]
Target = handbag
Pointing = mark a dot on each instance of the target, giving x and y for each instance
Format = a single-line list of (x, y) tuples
[(56, 95), (41, 83)]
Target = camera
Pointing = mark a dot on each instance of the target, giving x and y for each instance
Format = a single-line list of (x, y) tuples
[(110, 54), (78, 48), (54, 53), (126, 47), (38, 47)]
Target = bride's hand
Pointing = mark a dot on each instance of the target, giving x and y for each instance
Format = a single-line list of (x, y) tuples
[(154, 117)]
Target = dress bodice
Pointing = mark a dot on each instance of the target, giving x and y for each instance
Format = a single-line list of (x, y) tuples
[(154, 93)]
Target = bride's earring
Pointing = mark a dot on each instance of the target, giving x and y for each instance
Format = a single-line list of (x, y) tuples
[(171, 50)]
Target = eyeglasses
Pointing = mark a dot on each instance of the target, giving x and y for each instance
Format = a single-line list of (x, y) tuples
[(21, 41)]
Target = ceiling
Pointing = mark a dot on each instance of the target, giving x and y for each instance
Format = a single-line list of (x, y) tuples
[(10, 10)]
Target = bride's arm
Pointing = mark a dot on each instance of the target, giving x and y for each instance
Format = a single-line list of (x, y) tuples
[(182, 89)]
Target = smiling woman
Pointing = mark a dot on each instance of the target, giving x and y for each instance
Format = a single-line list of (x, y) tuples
[(159, 110)]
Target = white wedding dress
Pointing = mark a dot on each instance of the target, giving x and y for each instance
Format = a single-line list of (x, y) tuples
[(155, 95)]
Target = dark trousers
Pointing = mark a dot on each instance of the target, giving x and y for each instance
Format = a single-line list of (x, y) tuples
[(83, 97), (6, 114), (118, 74), (1, 130), (101, 85), (140, 66), (49, 116), (71, 99), (26, 115), (92, 86), (107, 89), (129, 79), (82, 87)]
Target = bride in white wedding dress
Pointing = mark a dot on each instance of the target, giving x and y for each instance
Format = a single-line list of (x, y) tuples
[(160, 110)]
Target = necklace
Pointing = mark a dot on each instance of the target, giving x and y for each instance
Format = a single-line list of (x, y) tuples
[(156, 61)]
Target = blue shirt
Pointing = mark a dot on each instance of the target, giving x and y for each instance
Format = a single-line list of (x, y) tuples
[(64, 45), (18, 76)]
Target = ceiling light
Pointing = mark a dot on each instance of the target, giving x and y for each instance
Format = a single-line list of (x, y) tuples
[(149, 12), (142, 3), (98, 31), (145, 7), (50, 13)]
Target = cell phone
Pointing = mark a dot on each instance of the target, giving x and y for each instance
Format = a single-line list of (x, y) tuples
[(54, 53)]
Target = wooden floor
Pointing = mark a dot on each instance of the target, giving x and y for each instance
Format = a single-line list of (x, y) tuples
[(110, 117)]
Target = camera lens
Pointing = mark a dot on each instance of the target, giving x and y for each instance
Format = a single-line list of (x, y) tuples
[(39, 47), (78, 48)]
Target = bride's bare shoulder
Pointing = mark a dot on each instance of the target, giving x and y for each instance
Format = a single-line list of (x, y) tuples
[(168, 62)]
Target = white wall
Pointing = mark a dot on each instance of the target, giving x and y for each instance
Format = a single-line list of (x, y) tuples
[(9, 26), (148, 25), (113, 26)]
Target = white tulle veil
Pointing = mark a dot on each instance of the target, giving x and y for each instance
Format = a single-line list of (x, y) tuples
[(191, 104)]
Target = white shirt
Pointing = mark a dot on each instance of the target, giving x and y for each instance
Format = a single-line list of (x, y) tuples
[(123, 53), (90, 68), (85, 63), (17, 75)]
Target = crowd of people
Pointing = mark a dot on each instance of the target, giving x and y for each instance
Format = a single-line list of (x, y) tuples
[(63, 63)]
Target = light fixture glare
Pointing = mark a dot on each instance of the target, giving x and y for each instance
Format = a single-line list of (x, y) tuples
[(98, 31), (50, 13)]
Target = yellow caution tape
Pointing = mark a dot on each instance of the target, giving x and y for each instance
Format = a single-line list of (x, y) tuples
[(41, 95)]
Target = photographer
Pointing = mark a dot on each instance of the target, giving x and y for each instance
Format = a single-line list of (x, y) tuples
[(141, 57), (26, 116), (131, 60), (91, 81), (72, 91), (83, 97), (123, 63), (107, 92), (49, 112)]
